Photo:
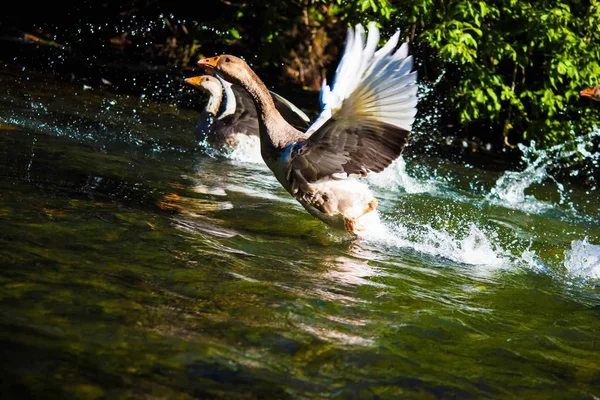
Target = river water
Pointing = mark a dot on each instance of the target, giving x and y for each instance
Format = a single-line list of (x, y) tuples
[(134, 265)]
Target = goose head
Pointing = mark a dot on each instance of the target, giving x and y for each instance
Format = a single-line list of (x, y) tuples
[(212, 87), (208, 84), (232, 68)]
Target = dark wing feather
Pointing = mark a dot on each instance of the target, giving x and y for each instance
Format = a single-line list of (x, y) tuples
[(357, 149), (242, 120)]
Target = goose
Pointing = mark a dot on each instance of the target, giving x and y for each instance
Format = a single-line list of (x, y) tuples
[(591, 93), (364, 124), (230, 112)]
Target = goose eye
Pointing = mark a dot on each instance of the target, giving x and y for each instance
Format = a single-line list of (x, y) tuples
[(227, 59)]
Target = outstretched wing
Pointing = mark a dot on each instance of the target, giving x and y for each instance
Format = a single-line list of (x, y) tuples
[(366, 116)]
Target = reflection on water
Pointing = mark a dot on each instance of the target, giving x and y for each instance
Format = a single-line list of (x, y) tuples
[(133, 265)]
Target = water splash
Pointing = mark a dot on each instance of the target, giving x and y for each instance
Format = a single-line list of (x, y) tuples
[(583, 260), (481, 250), (395, 177), (473, 248), (247, 149), (510, 188)]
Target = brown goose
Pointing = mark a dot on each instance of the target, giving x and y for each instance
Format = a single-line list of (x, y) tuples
[(591, 93), (230, 112), (364, 124)]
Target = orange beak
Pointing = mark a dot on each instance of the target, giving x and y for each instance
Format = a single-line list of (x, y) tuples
[(193, 80), (589, 92), (209, 64)]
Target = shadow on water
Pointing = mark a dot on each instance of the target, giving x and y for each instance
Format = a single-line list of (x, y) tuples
[(133, 265)]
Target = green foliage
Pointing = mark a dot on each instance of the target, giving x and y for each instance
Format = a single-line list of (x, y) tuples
[(522, 63), (360, 9)]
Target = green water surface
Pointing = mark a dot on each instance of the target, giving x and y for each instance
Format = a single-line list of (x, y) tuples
[(134, 266)]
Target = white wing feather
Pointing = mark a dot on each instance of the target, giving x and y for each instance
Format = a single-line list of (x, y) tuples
[(371, 84)]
